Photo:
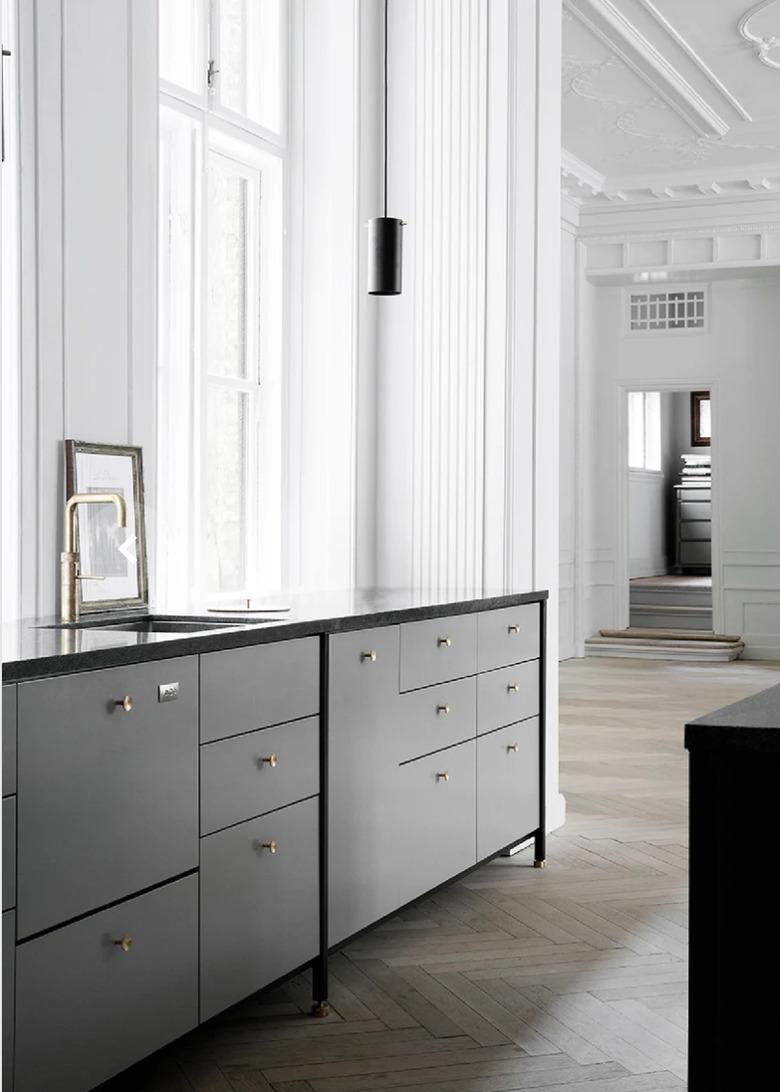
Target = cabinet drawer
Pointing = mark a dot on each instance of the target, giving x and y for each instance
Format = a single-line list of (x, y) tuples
[(246, 688), (695, 553), (507, 786), (508, 636), (435, 717), (259, 910), (86, 1009), (9, 739), (438, 649), (695, 530), (9, 973), (507, 695), (245, 776), (9, 852), (695, 510), (108, 799), (704, 494), (437, 820)]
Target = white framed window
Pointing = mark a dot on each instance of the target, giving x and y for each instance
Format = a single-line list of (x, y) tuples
[(221, 287), (662, 311), (644, 430)]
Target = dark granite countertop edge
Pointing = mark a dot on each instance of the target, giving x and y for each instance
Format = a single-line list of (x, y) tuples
[(731, 738), (45, 666)]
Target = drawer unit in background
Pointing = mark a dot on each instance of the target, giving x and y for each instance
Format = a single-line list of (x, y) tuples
[(507, 695), (434, 838), (242, 689), (507, 785), (9, 852), (259, 908), (248, 775), (107, 792), (437, 650), (435, 717), (508, 636), (86, 1008), (9, 739)]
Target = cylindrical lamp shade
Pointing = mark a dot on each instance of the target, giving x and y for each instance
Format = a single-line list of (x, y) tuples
[(385, 255)]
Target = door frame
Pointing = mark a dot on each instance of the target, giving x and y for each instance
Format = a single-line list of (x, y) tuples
[(622, 573)]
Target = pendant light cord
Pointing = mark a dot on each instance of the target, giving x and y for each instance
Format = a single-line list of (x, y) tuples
[(386, 86)]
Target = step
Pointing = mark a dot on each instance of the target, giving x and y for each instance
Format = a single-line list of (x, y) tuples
[(669, 596), (690, 650), (669, 617)]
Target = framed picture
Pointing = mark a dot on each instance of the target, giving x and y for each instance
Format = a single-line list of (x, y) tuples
[(115, 556), (701, 419)]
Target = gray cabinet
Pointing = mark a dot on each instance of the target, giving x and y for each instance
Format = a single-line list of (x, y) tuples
[(86, 1008), (693, 525), (9, 852), (434, 717), (246, 776), (507, 785), (259, 907), (508, 636), (243, 689), (9, 975), (107, 799), (437, 649), (9, 739), (507, 695)]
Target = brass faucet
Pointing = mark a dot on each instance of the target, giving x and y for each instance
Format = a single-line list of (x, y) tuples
[(69, 559)]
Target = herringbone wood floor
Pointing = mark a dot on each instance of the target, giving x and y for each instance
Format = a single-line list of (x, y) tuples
[(572, 978)]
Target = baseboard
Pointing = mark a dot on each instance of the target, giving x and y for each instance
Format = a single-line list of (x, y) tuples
[(760, 650)]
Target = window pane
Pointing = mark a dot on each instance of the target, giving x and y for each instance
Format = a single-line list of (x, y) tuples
[(705, 419), (636, 430), (227, 272), (250, 45), (182, 56), (653, 430), (226, 507)]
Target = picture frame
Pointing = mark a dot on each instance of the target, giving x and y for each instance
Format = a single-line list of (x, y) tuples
[(115, 556), (701, 428)]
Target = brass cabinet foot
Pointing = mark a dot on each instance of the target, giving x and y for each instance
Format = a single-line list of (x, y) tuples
[(540, 864), (320, 1008)]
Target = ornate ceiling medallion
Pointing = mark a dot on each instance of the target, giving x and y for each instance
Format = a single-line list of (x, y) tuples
[(761, 27)]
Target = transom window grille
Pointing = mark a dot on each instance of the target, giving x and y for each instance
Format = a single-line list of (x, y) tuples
[(680, 310)]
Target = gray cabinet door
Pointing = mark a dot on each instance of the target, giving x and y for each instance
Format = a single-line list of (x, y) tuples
[(242, 689), (438, 649), (508, 636), (9, 739), (363, 714), (259, 909), (9, 852), (507, 695), (507, 786), (435, 717), (86, 1009), (107, 799), (434, 838), (9, 974), (246, 776)]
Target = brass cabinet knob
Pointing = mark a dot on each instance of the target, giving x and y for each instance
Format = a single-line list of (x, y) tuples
[(443, 708), (443, 776), (369, 657), (513, 628), (271, 846), (270, 760), (513, 688), (445, 642), (125, 943), (126, 703), (512, 748)]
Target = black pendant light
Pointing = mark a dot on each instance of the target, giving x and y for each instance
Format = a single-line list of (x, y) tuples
[(385, 233)]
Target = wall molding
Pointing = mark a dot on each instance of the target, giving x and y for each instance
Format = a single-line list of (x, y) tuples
[(766, 46)]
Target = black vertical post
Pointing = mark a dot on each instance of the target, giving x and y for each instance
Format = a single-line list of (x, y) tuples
[(320, 1006), (540, 851)]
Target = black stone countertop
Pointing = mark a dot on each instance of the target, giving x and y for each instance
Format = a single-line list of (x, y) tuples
[(33, 651), (751, 725)]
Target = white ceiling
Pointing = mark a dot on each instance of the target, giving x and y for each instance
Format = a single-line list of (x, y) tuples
[(670, 99)]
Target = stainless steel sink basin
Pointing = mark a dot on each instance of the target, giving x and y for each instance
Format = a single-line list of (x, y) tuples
[(162, 624)]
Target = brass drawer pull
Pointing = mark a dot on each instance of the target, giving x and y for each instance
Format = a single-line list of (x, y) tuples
[(271, 846), (125, 703), (125, 943), (443, 708), (443, 776), (368, 656), (444, 642), (271, 760), (513, 627), (513, 688), (512, 748)]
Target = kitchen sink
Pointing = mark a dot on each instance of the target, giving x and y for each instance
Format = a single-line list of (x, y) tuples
[(161, 624)]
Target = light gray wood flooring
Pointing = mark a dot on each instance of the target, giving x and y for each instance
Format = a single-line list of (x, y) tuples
[(570, 978)]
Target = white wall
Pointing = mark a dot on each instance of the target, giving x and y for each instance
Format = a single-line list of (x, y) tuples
[(569, 505), (648, 504)]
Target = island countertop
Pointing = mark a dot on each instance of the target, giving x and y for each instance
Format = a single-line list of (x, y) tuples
[(749, 726), (34, 648)]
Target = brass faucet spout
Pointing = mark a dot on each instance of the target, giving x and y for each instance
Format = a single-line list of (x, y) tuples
[(70, 559)]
